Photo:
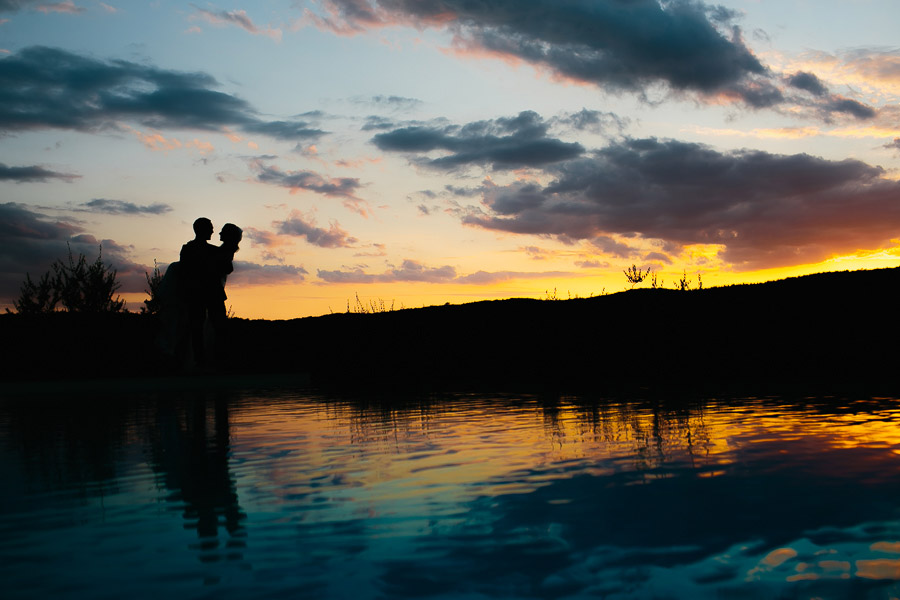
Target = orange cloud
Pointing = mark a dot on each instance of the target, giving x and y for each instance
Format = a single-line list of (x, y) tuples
[(158, 142)]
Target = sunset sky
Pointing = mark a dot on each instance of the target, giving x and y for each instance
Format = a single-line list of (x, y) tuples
[(419, 152)]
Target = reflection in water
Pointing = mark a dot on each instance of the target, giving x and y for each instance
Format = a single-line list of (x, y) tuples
[(190, 446), (300, 496)]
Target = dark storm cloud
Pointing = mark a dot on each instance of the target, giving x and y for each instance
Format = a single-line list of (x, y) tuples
[(333, 237), (504, 143), (764, 209), (32, 174), (120, 207), (44, 88), (30, 242), (621, 45)]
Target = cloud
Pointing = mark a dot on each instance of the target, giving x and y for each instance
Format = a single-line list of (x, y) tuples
[(412, 271), (335, 187), (391, 103), (158, 142), (32, 174), (762, 209), (408, 271), (48, 88), (304, 226), (610, 247), (684, 46), (61, 7), (895, 144), (30, 242), (503, 143), (808, 82), (238, 18), (594, 121), (247, 273), (613, 44), (285, 130), (120, 207), (489, 278), (13, 5)]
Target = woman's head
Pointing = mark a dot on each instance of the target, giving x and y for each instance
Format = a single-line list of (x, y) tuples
[(231, 235)]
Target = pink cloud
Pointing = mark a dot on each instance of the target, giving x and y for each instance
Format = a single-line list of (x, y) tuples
[(237, 18), (61, 7)]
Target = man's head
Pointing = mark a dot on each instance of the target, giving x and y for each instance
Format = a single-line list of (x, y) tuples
[(203, 228)]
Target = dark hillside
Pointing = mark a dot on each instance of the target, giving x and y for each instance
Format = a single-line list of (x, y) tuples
[(833, 328)]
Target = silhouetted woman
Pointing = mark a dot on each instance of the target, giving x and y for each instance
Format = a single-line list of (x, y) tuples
[(230, 237)]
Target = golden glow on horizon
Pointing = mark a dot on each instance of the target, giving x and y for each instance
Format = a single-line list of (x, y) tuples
[(290, 301)]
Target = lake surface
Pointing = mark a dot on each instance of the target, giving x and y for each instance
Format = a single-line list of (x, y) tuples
[(289, 494)]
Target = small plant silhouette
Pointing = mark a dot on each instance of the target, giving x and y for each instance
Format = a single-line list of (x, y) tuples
[(684, 283), (635, 275)]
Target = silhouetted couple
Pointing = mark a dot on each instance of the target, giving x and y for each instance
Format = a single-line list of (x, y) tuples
[(194, 296)]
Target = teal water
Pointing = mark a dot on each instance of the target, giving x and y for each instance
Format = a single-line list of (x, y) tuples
[(287, 494)]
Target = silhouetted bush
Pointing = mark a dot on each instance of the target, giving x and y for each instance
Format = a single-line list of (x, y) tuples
[(77, 286), (635, 275), (153, 305)]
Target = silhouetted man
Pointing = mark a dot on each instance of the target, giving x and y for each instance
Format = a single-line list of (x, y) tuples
[(201, 284)]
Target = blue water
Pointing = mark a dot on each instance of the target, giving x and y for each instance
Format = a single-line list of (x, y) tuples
[(287, 494)]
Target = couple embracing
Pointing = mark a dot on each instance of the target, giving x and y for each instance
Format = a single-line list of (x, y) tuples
[(203, 271), (192, 294)]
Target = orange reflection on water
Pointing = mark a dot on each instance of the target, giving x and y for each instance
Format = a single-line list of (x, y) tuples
[(882, 568), (487, 437)]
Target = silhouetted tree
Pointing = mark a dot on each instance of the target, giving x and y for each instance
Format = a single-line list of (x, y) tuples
[(153, 305), (78, 286), (38, 297)]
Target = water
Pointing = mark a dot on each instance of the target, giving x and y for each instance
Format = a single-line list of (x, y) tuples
[(281, 494)]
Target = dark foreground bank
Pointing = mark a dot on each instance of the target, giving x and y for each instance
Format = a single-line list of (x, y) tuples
[(818, 331)]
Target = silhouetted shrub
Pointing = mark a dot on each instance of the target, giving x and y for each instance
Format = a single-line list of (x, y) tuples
[(77, 286), (153, 305), (635, 275)]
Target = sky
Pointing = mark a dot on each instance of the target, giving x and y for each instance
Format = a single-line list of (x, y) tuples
[(406, 153)]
